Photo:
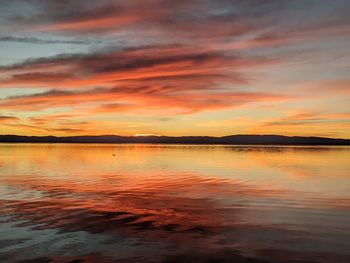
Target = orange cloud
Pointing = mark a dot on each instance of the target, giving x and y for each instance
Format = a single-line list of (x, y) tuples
[(162, 78), (309, 123), (6, 119), (139, 99)]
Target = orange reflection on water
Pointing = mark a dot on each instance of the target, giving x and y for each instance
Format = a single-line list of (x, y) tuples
[(178, 199)]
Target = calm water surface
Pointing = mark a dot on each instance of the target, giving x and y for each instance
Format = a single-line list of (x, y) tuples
[(153, 203)]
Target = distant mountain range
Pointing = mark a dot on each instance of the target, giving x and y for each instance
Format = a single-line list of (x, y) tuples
[(230, 140)]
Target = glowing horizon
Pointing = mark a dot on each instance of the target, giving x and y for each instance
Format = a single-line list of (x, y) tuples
[(160, 67)]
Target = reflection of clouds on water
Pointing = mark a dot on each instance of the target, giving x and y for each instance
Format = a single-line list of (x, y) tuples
[(186, 208), (31, 241), (323, 170)]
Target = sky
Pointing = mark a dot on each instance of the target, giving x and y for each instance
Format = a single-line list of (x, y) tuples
[(184, 67)]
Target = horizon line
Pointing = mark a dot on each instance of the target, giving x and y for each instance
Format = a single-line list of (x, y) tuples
[(176, 136), (239, 139)]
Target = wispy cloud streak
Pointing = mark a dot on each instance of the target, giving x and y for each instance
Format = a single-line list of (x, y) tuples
[(33, 40), (230, 59)]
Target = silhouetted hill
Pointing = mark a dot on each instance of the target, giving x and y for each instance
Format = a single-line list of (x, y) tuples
[(232, 139)]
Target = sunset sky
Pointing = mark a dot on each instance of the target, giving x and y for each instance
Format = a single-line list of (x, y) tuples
[(166, 67)]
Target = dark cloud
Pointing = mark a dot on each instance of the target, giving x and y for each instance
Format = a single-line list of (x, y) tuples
[(177, 77), (4, 118), (36, 78), (193, 18), (43, 61), (160, 64), (125, 59)]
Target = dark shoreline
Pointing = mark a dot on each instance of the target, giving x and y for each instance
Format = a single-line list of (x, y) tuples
[(225, 140)]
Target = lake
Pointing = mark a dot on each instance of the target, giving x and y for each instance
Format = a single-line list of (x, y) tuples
[(174, 203)]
